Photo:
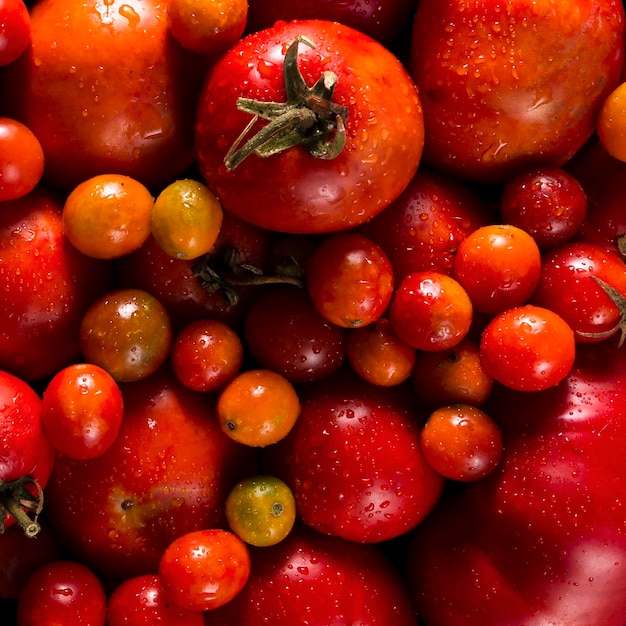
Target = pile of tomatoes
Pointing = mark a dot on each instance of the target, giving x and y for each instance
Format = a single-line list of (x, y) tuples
[(312, 312)]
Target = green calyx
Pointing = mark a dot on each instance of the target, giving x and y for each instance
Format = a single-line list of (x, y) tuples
[(308, 118)]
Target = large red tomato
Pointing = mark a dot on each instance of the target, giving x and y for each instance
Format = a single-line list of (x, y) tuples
[(510, 84), (167, 473), (336, 85), (543, 539), (47, 285), (105, 88)]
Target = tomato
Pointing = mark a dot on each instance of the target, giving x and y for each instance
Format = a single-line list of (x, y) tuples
[(62, 592), (333, 582), (611, 124), (381, 19), (541, 539), (105, 89), (509, 85), (204, 569), (364, 146), (261, 510), (82, 410), (336, 461), (141, 600), (21, 159), (168, 472), (528, 348), (26, 455), (15, 28), (48, 286)]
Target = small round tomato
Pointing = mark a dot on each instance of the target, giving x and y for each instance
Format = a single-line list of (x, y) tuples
[(451, 376), (108, 215), (430, 311), (499, 267), (15, 28), (207, 26), (285, 333), (62, 592), (462, 442), (186, 219), (611, 124), (547, 202), (258, 407), (82, 410), (378, 355), (206, 354), (21, 157), (128, 333), (528, 348), (204, 569), (308, 127), (141, 600), (261, 510), (350, 280)]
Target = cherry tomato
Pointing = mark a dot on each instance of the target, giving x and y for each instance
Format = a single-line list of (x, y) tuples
[(285, 333), (141, 600), (462, 442), (455, 375), (82, 410), (99, 108), (206, 354), (364, 147), (528, 348), (126, 332), (204, 569), (547, 202), (611, 124), (108, 215), (430, 311), (258, 407), (378, 355), (261, 510), (350, 280), (186, 219), (207, 26), (21, 158), (499, 266), (62, 592), (15, 28)]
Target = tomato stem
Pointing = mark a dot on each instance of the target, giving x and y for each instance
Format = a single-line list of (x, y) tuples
[(620, 302), (16, 499), (308, 118)]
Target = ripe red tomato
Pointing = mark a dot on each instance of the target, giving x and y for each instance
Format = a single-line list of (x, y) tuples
[(168, 472), (541, 539), (373, 107), (106, 89), (48, 286), (508, 85), (14, 30), (337, 461), (331, 582)]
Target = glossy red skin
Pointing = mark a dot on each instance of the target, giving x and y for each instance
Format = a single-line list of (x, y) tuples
[(293, 191), (566, 287), (62, 592), (168, 472), (14, 30), (285, 333), (315, 579), (48, 285), (423, 227), (381, 19), (173, 283), (141, 600), (70, 111), (542, 540), (336, 461), (509, 85)]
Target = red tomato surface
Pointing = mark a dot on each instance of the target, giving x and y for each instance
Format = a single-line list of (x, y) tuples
[(293, 191)]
